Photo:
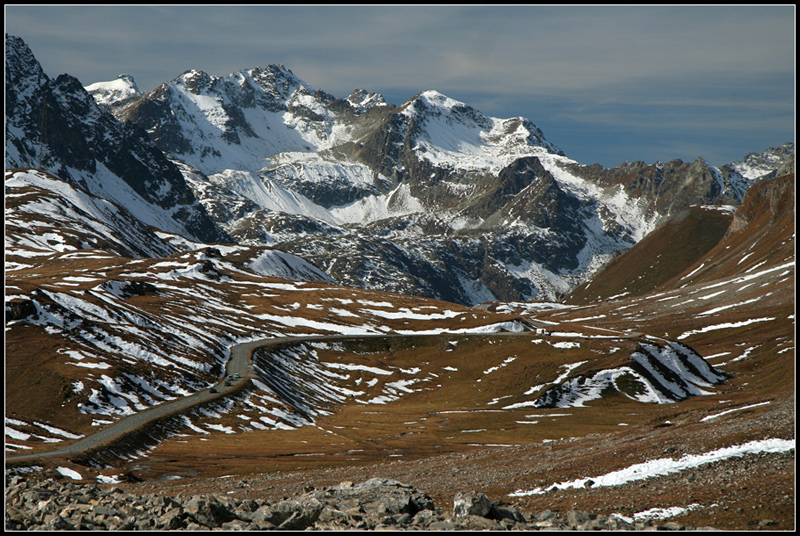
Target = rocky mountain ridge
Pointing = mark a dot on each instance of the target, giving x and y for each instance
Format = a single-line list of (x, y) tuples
[(54, 124), (431, 198)]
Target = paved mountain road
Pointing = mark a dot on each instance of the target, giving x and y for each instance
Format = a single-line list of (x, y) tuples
[(239, 367), (239, 364)]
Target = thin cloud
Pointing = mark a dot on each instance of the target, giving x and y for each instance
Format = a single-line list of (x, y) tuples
[(508, 58)]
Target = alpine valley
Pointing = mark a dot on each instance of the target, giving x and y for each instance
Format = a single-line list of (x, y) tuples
[(422, 287)]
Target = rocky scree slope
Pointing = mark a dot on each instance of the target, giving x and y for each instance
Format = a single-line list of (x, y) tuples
[(378, 503)]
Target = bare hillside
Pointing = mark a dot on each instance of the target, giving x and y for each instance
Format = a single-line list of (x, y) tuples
[(450, 405)]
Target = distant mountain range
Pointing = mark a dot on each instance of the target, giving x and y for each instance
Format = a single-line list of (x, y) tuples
[(147, 236), (430, 198)]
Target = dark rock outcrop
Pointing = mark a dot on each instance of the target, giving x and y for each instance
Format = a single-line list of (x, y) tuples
[(55, 125), (377, 504)]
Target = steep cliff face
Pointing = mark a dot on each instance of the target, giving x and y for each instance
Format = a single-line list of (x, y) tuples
[(765, 204), (57, 126)]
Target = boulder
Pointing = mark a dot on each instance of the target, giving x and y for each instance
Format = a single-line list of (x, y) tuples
[(378, 497), (471, 503), (208, 511)]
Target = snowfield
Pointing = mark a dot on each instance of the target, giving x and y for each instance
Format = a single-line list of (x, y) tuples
[(665, 466)]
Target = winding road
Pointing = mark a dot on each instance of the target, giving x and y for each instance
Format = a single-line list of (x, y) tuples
[(239, 364), (239, 368)]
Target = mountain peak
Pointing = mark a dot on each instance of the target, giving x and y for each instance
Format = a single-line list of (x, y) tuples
[(128, 79), (362, 99), (276, 78), (435, 97), (55, 125), (23, 71), (114, 92), (194, 80), (435, 100), (773, 162)]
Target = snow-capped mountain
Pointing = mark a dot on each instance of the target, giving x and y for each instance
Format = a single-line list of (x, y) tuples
[(115, 92), (241, 120), (431, 198), (774, 162), (57, 126), (277, 162)]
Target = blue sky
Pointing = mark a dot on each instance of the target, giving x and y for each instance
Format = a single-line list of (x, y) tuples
[(607, 84)]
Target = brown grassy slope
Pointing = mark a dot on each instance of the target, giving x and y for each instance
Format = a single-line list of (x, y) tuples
[(184, 319), (669, 250), (761, 232), (448, 436)]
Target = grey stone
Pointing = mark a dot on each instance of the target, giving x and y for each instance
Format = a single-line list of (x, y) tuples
[(236, 524), (330, 514), (388, 520), (474, 522), (260, 524), (471, 503), (300, 519), (173, 519), (404, 519), (208, 511), (501, 513), (576, 518), (545, 515), (59, 523), (424, 517), (442, 525), (376, 497), (16, 515), (102, 510)]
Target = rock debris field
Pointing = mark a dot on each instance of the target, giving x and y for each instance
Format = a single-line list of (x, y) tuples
[(377, 503)]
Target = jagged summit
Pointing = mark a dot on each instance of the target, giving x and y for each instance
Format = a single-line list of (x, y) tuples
[(277, 78), (773, 162), (116, 92), (451, 133), (55, 125), (432, 197), (362, 99)]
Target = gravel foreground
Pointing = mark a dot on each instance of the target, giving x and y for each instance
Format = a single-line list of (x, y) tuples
[(752, 492), (376, 504)]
